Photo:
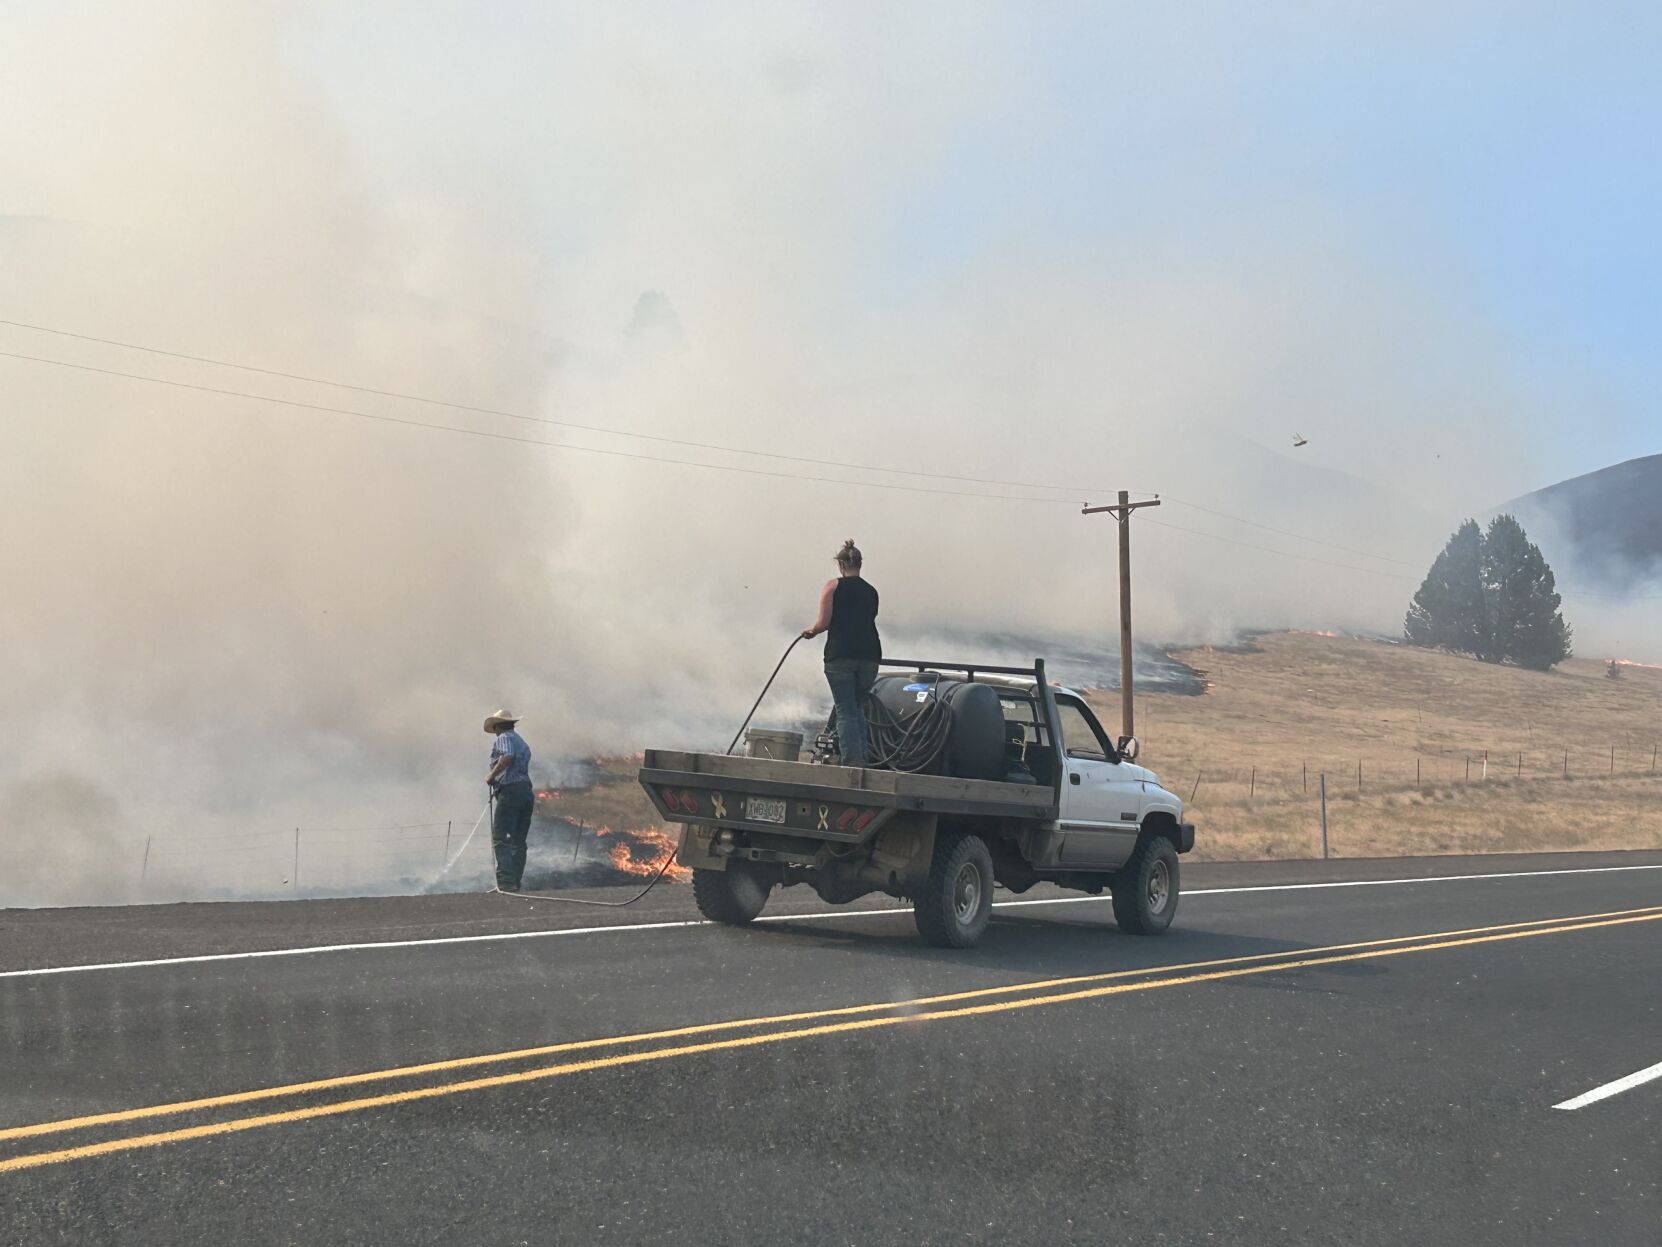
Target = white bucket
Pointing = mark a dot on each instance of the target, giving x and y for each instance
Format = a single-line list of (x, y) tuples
[(763, 742)]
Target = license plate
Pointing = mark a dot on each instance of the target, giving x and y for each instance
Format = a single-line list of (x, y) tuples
[(764, 809)]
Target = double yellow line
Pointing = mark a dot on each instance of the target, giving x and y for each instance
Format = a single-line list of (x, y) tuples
[(662, 1045)]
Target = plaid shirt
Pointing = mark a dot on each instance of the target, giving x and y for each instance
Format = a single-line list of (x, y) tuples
[(512, 744)]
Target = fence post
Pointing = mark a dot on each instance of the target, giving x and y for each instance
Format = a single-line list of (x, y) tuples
[(144, 866), (1653, 757), (1566, 764), (1196, 788), (1416, 770), (1485, 766), (1252, 789), (1322, 782), (1468, 768), (297, 859), (1305, 767), (1359, 775), (1612, 759), (444, 858)]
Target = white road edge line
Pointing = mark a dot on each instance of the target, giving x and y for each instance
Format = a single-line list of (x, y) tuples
[(1648, 1074), (370, 946)]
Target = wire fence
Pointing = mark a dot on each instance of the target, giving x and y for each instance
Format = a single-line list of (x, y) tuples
[(1280, 779), (305, 857), (296, 859)]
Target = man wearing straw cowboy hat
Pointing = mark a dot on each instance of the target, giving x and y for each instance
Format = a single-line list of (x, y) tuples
[(510, 784)]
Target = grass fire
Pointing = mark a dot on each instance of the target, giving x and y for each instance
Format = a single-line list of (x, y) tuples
[(588, 831)]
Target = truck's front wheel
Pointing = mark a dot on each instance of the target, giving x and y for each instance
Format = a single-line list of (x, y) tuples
[(956, 901), (1145, 890), (733, 896)]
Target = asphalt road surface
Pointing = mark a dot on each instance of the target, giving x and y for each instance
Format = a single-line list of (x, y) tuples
[(1451, 1050)]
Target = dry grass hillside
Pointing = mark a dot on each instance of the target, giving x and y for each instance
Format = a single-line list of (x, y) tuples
[(1289, 707)]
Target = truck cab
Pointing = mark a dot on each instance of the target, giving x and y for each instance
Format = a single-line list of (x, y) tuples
[(1106, 798)]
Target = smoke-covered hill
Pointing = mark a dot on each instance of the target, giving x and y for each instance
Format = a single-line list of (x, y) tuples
[(1602, 529)]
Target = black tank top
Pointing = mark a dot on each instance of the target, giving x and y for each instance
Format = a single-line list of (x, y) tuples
[(853, 631)]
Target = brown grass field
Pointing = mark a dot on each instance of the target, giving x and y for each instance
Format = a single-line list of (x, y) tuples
[(1288, 707), (1291, 705)]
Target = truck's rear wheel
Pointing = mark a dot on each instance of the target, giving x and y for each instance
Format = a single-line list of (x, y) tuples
[(1145, 890), (733, 896), (956, 901)]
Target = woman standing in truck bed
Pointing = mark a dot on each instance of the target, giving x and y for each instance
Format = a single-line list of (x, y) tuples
[(848, 613)]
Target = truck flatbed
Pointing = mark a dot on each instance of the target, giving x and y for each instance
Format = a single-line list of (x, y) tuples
[(705, 775)]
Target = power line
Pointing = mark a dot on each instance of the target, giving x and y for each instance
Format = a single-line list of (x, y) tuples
[(546, 420), (1282, 532), (1223, 515), (1286, 554), (529, 441), (1609, 597), (1371, 571), (710, 446)]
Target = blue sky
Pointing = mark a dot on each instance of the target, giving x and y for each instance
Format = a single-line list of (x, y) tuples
[(1510, 164), (1500, 164)]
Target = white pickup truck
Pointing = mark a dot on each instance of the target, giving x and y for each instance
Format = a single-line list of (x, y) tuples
[(1070, 807)]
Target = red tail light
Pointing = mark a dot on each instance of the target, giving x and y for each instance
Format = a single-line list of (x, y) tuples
[(689, 803), (845, 818), (670, 799), (864, 820)]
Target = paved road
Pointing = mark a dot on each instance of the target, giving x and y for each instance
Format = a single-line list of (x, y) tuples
[(1350, 1062)]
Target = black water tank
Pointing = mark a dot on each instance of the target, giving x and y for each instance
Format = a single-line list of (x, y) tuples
[(975, 749), (974, 744)]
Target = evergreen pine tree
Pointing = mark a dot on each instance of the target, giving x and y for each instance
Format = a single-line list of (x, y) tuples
[(1525, 625), (1449, 612)]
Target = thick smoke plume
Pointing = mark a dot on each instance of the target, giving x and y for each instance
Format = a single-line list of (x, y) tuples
[(224, 617)]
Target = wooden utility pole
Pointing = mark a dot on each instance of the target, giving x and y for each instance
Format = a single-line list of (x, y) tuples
[(1122, 512)]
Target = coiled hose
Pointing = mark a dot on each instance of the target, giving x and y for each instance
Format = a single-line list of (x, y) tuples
[(912, 744)]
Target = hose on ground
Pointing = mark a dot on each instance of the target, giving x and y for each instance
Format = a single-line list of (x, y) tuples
[(578, 900)]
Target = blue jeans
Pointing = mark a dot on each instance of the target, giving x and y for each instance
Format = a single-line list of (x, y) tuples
[(850, 680), (510, 821)]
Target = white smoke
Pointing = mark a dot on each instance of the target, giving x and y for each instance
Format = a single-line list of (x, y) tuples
[(225, 617)]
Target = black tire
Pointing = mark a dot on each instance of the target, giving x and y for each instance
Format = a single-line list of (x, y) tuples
[(733, 896), (1145, 890), (956, 901)]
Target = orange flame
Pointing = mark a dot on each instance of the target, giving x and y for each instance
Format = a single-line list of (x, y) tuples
[(641, 851)]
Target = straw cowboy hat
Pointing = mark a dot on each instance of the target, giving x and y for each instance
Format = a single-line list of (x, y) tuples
[(500, 717)]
